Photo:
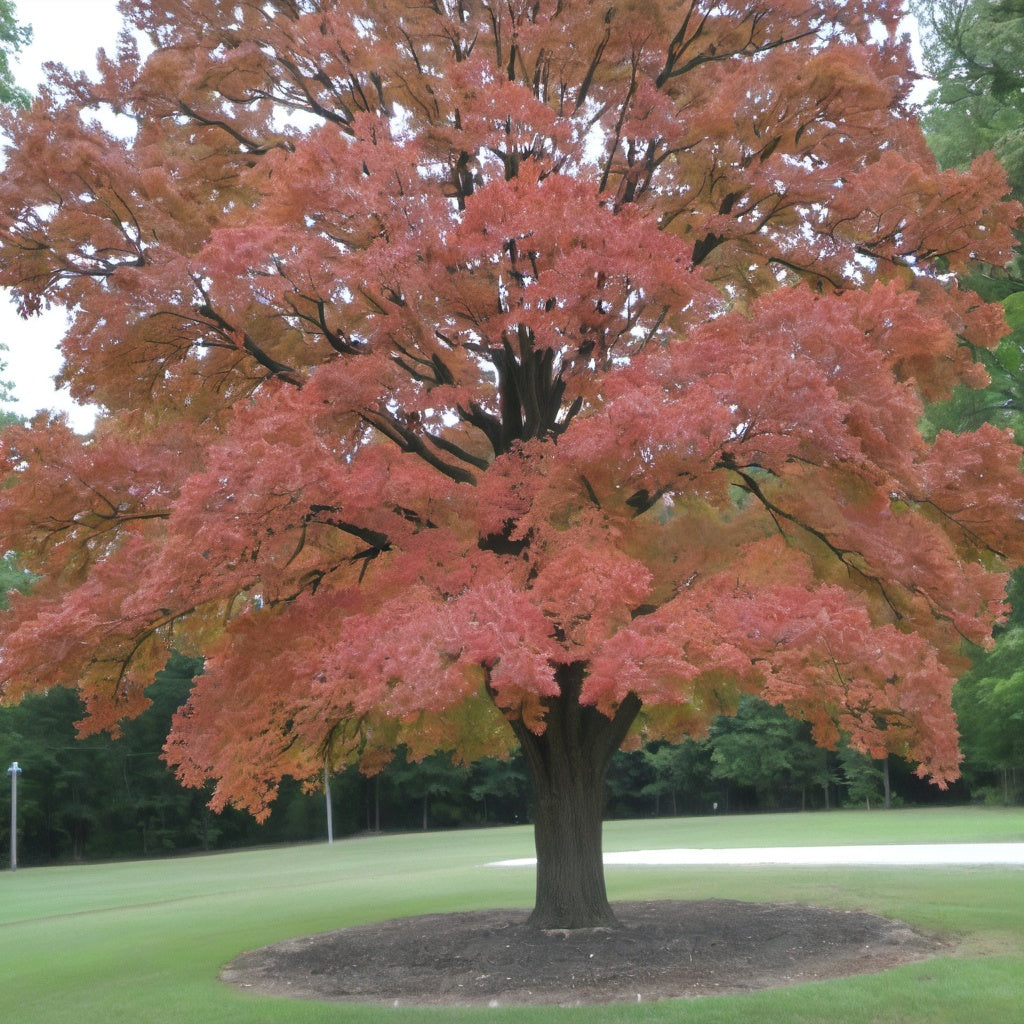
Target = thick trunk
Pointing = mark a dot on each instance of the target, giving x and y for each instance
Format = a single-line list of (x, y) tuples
[(568, 764), (569, 800)]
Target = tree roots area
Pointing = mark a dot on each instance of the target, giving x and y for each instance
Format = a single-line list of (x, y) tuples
[(661, 950)]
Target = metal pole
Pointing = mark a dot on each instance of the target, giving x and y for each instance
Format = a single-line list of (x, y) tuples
[(330, 812), (14, 771)]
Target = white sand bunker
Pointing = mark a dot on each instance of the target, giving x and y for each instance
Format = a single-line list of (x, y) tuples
[(946, 854)]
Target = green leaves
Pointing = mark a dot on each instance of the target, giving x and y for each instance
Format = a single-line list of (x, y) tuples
[(13, 37), (972, 49), (1014, 306)]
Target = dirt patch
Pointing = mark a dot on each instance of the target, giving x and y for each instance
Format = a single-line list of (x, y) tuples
[(662, 950)]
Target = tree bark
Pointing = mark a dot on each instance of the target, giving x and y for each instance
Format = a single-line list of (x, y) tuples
[(568, 764)]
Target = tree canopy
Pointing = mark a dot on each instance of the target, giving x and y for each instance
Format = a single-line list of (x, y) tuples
[(481, 371)]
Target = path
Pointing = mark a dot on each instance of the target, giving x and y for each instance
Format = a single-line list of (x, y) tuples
[(946, 854)]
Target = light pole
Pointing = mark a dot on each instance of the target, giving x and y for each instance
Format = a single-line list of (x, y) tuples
[(330, 813), (14, 771)]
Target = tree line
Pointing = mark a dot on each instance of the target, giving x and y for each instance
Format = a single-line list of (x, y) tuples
[(100, 798)]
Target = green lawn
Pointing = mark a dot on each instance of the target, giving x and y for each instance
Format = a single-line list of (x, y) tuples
[(143, 941)]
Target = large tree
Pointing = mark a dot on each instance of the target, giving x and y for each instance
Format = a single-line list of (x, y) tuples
[(481, 372)]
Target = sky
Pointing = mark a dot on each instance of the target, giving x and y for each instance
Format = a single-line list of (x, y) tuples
[(70, 31)]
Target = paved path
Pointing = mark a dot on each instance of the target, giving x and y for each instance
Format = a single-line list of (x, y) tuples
[(944, 854)]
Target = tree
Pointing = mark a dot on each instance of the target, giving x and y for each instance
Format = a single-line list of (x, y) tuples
[(12, 575), (12, 38), (625, 786), (500, 787), (492, 373), (684, 769), (990, 706), (864, 779), (764, 749), (989, 701), (972, 49), (432, 781), (106, 798)]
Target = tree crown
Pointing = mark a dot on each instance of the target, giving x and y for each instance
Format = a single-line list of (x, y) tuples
[(464, 357)]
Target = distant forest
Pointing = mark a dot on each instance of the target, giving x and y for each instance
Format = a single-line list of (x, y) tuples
[(99, 798)]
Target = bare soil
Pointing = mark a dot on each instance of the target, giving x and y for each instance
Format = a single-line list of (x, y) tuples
[(662, 950)]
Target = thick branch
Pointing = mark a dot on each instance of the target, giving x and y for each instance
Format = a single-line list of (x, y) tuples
[(229, 333), (409, 441)]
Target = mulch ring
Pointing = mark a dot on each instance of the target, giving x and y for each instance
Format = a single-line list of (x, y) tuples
[(662, 950)]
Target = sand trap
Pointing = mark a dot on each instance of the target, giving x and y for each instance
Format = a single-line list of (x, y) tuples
[(947, 854)]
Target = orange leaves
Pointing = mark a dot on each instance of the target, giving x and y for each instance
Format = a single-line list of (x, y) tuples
[(448, 345), (812, 649), (884, 689), (571, 281), (678, 654), (589, 592), (973, 482), (283, 686), (502, 630), (499, 118), (927, 215)]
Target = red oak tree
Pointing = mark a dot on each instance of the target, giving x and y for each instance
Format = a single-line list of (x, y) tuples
[(481, 372)]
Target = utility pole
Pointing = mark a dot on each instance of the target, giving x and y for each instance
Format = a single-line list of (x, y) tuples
[(14, 771), (330, 811)]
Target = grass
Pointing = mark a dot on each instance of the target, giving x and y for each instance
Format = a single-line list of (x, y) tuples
[(145, 940)]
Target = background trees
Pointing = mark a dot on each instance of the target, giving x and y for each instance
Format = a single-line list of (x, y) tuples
[(973, 50), (13, 36), (764, 749)]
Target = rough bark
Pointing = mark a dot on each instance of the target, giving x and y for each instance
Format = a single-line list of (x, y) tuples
[(568, 764)]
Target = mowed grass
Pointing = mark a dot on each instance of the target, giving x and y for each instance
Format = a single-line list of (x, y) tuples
[(144, 941)]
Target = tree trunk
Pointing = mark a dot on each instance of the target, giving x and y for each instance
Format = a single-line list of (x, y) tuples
[(568, 764)]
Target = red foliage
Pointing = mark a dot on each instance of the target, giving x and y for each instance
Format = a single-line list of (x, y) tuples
[(444, 346)]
